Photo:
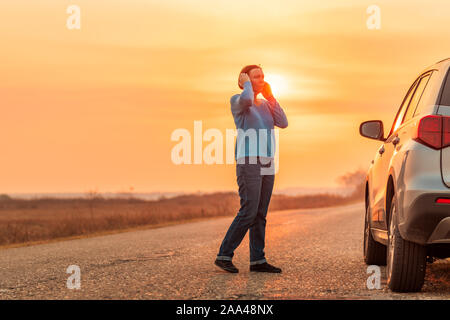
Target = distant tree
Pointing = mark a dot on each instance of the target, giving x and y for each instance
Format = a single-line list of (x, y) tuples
[(355, 180), (4, 197)]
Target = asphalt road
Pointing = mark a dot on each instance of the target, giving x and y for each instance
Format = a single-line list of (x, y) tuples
[(319, 250)]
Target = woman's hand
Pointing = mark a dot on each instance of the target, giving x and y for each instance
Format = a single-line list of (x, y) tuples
[(267, 91), (243, 77)]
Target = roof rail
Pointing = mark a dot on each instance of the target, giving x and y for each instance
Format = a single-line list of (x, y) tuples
[(443, 60)]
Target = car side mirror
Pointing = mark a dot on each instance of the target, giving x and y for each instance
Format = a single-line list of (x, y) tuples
[(372, 129)]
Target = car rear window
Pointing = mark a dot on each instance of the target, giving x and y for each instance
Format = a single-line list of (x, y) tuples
[(445, 99)]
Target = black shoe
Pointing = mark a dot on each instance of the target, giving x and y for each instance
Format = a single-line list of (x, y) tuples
[(264, 267), (226, 265)]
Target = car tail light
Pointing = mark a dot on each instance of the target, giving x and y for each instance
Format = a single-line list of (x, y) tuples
[(434, 131), (443, 200)]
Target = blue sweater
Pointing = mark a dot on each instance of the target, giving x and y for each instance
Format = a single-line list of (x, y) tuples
[(250, 118)]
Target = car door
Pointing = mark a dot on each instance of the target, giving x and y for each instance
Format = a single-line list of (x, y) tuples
[(380, 168)]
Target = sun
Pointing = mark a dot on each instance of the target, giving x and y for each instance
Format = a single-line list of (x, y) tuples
[(278, 84)]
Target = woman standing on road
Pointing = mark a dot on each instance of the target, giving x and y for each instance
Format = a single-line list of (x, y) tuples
[(254, 167)]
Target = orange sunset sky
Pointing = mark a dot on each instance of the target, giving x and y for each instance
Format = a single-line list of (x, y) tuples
[(95, 107)]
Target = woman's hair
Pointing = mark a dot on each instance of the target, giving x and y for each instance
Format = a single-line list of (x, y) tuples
[(247, 70)]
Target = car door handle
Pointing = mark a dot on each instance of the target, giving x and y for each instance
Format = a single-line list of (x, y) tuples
[(395, 141), (381, 150)]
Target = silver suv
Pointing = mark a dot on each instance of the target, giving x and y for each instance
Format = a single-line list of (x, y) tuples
[(407, 221)]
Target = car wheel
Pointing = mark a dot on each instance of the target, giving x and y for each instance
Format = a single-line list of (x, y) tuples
[(406, 261), (374, 252)]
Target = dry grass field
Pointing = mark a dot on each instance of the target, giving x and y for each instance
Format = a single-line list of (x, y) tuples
[(43, 219)]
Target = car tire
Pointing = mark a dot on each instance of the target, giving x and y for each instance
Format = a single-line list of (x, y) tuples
[(374, 252), (406, 261)]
